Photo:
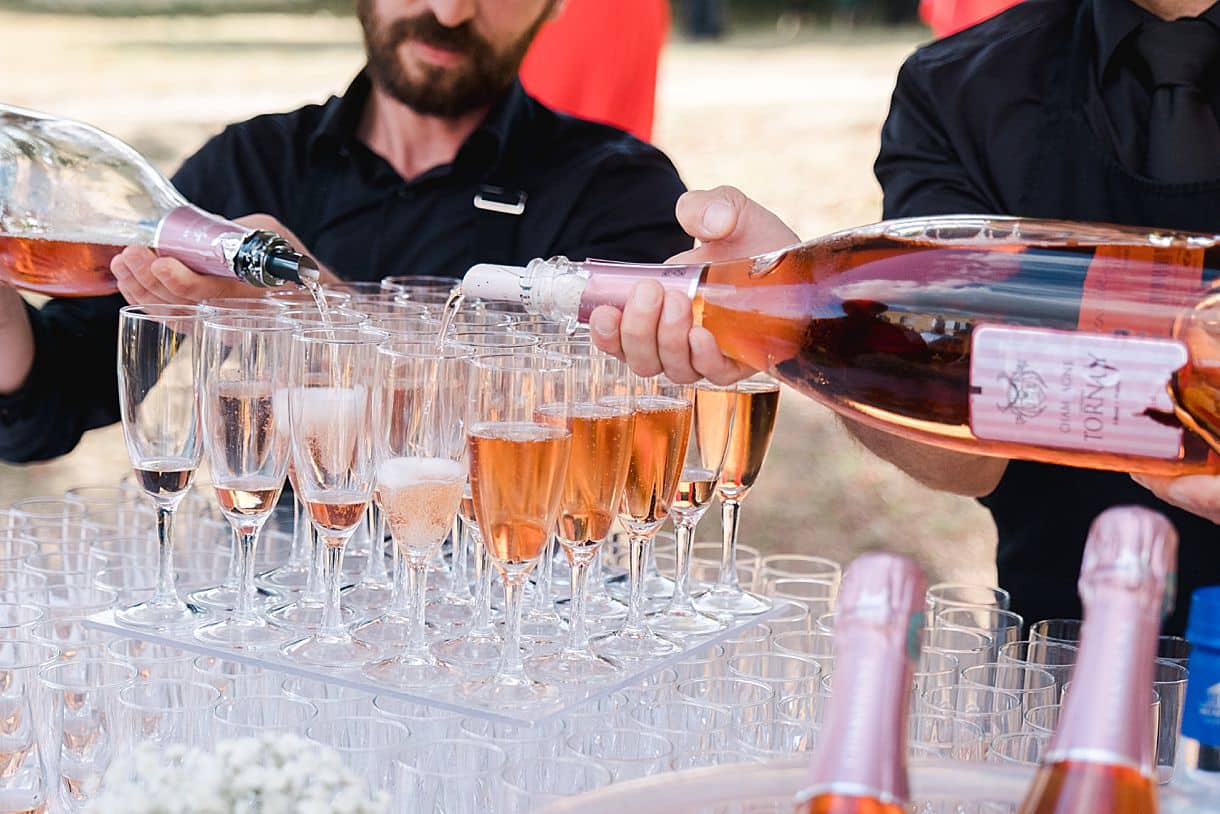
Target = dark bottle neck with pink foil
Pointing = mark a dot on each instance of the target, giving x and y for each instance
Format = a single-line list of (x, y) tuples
[(209, 244)]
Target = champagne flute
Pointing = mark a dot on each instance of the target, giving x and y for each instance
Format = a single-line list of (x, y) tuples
[(705, 455), (330, 408), (243, 375), (517, 429), (601, 417), (421, 473), (749, 437), (662, 423), (158, 401)]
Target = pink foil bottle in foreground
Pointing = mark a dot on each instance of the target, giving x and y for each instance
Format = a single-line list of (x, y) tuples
[(860, 763)]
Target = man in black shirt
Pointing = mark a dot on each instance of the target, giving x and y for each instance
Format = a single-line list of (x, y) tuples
[(1093, 110), (434, 159)]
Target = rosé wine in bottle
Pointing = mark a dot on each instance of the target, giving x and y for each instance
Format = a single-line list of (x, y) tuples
[(1101, 757), (860, 763), (72, 196), (1078, 344)]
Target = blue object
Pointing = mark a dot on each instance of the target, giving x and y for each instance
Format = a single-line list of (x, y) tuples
[(1201, 717)]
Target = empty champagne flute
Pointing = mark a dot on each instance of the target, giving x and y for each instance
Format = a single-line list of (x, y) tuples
[(749, 437), (244, 386), (520, 440), (600, 414), (158, 401), (662, 422), (330, 408), (420, 449), (705, 454)]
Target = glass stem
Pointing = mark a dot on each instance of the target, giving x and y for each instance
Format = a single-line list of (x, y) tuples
[(332, 625), (578, 636), (374, 568), (246, 549), (400, 601), (417, 583), (299, 553), (637, 554), (165, 593), (482, 590), (460, 586), (233, 574), (511, 666), (542, 582), (315, 588), (730, 514), (684, 538)]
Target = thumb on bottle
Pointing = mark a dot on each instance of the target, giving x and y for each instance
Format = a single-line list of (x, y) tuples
[(711, 214)]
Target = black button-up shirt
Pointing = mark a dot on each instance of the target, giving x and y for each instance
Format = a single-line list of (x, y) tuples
[(1036, 112), (589, 191)]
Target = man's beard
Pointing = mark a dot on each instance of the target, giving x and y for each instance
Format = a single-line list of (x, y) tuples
[(478, 83)]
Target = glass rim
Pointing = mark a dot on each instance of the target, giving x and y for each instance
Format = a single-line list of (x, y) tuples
[(46, 672), (178, 704), (403, 752), (12, 647), (521, 361), (430, 280), (412, 349), (343, 335), (268, 322), (155, 311), (371, 721)]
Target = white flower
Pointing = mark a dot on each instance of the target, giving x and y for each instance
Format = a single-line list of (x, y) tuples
[(274, 774)]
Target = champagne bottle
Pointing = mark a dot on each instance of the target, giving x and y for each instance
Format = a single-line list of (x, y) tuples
[(1101, 758), (71, 197), (860, 764), (1077, 344)]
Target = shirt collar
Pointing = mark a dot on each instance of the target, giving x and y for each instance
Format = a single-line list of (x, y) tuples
[(1115, 20), (485, 146)]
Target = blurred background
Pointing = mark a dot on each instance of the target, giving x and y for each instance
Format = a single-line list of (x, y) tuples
[(782, 98)]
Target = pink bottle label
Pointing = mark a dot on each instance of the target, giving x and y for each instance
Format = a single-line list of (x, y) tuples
[(204, 242), (610, 283), (1074, 390)]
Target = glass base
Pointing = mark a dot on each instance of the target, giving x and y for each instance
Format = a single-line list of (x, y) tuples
[(290, 578), (413, 671), (390, 631), (633, 645), (330, 651), (305, 616), (731, 601), (509, 692), (572, 667), (658, 585), (475, 654), (223, 599), (369, 596), (175, 615), (243, 634), (448, 615), (602, 606), (684, 621)]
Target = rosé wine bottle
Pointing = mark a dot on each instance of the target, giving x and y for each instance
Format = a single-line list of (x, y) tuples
[(1101, 758), (1069, 343), (71, 197), (860, 764)]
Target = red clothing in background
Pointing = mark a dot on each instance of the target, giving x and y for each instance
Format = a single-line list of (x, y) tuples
[(950, 16), (598, 60)]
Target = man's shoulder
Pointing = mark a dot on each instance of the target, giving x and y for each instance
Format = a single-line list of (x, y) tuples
[(272, 132), (566, 140), (1025, 34)]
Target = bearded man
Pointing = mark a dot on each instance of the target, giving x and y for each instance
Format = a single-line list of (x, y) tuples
[(433, 159)]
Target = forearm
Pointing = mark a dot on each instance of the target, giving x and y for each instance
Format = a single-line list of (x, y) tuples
[(17, 340), (936, 468)]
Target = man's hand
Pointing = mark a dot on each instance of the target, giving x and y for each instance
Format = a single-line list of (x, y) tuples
[(144, 278), (654, 332), (1197, 494)]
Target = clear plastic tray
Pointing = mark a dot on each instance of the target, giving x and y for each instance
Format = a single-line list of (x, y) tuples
[(444, 698), (763, 787)]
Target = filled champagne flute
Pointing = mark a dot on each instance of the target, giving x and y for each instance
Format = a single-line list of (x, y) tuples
[(330, 408), (520, 440), (705, 457), (748, 434), (420, 448), (244, 364), (601, 414), (158, 401), (662, 422)]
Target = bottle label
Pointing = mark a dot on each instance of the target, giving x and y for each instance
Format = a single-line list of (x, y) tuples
[(1074, 390), (1201, 710)]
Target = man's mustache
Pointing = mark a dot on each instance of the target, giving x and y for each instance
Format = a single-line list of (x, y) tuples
[(427, 29)]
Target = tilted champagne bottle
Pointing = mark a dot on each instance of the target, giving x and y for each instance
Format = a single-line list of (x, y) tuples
[(1078, 344), (71, 197), (1101, 757), (860, 763)]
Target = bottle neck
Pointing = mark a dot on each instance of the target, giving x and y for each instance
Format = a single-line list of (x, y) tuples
[(209, 244), (1107, 716), (611, 283), (863, 745)]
